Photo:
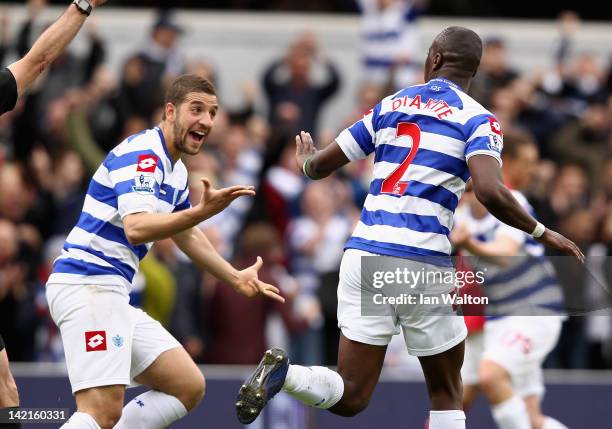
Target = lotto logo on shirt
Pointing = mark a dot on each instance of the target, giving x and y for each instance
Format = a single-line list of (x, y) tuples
[(95, 341), (495, 127), (146, 163)]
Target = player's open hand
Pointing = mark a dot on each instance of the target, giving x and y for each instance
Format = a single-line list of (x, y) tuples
[(214, 200), (249, 284), (305, 148), (557, 241)]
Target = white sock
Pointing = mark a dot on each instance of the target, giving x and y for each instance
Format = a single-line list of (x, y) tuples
[(315, 386), (151, 410), (80, 421), (511, 414), (550, 423), (450, 419)]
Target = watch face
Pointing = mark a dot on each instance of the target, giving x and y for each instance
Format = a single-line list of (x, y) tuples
[(84, 6)]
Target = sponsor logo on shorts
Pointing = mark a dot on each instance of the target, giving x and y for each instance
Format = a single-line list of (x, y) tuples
[(118, 340), (95, 341), (146, 163)]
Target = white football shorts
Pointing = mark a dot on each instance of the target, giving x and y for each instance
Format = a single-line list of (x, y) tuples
[(425, 334), (519, 344), (106, 340)]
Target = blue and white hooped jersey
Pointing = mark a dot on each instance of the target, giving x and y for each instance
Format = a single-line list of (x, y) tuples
[(136, 176), (421, 138), (529, 284)]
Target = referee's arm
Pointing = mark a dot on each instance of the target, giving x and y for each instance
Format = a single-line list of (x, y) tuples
[(49, 46)]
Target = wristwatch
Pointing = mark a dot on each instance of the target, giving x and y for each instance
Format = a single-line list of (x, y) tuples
[(84, 6)]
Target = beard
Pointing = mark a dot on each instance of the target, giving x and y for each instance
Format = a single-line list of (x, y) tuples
[(181, 134)]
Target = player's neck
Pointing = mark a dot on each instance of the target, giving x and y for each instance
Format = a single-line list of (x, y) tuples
[(169, 142), (460, 81)]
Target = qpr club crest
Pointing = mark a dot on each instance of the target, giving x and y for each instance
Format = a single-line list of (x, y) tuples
[(118, 340)]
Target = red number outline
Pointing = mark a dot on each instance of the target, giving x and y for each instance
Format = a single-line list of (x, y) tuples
[(392, 185)]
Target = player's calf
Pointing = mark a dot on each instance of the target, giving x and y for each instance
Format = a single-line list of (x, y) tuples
[(9, 396), (508, 408), (177, 387)]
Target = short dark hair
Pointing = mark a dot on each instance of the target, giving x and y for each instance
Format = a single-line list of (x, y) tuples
[(185, 84), (514, 139), (461, 48)]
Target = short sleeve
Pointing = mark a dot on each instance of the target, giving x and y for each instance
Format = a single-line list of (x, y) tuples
[(485, 137), (357, 141), (136, 178), (183, 202), (8, 91)]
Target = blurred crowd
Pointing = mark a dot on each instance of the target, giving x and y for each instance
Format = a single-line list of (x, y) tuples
[(60, 132)]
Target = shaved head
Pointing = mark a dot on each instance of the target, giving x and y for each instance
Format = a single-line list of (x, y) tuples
[(454, 53)]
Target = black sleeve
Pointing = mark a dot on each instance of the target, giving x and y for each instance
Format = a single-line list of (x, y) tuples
[(8, 91)]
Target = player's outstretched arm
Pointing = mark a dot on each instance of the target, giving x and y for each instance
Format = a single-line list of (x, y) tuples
[(194, 244), (147, 227), (317, 164), (49, 46), (493, 194), (497, 251)]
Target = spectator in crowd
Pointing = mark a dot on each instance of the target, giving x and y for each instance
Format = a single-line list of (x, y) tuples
[(293, 95), (145, 73), (586, 140), (241, 340), (317, 240), (494, 71), (390, 42), (37, 121)]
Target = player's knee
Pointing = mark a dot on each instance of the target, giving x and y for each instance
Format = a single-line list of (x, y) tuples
[(193, 392), (491, 375), (9, 396), (105, 406), (106, 418)]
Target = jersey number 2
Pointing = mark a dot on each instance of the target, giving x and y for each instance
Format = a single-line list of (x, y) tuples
[(392, 185)]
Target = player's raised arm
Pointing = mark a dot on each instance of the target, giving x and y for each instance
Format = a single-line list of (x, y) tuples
[(145, 227), (493, 194), (355, 142), (194, 244), (51, 43), (499, 252), (317, 164)]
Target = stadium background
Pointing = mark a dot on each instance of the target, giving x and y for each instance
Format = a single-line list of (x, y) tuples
[(551, 75)]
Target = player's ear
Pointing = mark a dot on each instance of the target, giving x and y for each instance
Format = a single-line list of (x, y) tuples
[(170, 112), (436, 62)]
